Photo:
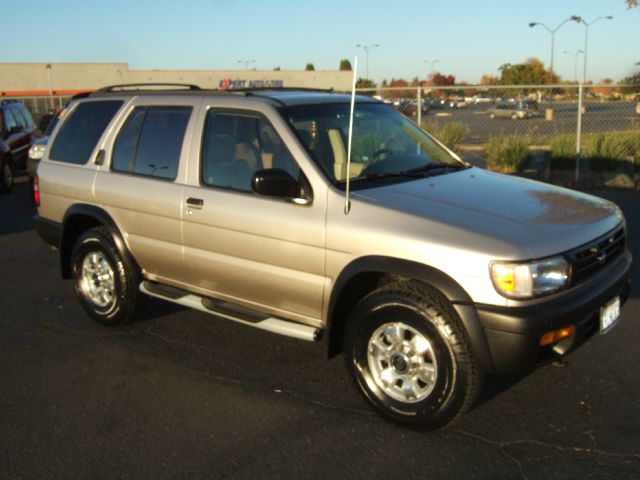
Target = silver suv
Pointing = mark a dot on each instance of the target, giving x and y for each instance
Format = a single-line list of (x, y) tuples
[(425, 272)]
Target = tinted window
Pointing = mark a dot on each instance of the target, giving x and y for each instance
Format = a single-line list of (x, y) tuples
[(27, 116), (236, 145), (125, 145), (22, 121), (150, 141), (82, 130), (9, 119)]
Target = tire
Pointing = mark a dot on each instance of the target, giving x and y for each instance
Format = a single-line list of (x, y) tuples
[(6, 176), (106, 283), (410, 356)]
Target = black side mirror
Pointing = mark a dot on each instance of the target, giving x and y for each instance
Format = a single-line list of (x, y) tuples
[(274, 182)]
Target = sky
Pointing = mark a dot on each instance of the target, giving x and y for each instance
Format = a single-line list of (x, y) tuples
[(464, 38)]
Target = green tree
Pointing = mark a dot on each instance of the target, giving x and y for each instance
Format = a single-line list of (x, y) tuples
[(532, 72), (365, 83), (309, 67), (345, 65), (630, 84), (441, 80)]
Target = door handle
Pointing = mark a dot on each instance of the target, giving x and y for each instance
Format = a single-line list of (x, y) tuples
[(195, 203)]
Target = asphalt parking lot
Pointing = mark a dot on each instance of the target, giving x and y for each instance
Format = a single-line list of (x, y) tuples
[(599, 117), (181, 394)]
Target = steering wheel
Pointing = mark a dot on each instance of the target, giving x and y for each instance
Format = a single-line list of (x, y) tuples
[(378, 153)]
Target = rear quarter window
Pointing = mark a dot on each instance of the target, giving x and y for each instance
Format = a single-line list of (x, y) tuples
[(81, 131), (150, 141)]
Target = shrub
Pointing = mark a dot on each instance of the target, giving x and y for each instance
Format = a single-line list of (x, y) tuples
[(506, 154), (605, 152), (563, 151), (451, 134)]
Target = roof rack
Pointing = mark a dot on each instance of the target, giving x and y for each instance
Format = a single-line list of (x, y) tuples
[(249, 90), (139, 87)]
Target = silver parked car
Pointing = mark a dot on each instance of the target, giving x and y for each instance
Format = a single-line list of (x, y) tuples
[(425, 272), (509, 110)]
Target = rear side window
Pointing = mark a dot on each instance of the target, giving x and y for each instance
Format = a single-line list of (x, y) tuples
[(27, 116), (20, 119), (9, 120), (150, 141), (82, 130)]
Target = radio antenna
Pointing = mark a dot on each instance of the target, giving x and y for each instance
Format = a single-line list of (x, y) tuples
[(347, 202)]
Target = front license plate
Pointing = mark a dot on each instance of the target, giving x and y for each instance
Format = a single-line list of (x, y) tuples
[(609, 315)]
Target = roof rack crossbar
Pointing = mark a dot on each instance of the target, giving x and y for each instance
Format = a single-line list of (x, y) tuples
[(137, 86)]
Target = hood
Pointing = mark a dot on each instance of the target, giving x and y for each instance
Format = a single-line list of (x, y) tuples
[(532, 217)]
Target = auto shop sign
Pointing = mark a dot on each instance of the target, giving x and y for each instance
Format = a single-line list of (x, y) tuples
[(229, 84)]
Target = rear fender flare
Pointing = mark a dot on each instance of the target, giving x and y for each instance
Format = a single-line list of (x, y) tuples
[(79, 218)]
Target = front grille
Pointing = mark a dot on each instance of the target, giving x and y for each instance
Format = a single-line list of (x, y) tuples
[(590, 258)]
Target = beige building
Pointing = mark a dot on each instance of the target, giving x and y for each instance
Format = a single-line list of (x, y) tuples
[(25, 79)]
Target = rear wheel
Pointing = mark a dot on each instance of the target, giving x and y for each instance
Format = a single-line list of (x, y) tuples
[(6, 176), (409, 354), (106, 282)]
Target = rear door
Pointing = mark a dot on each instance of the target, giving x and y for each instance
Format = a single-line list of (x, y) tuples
[(22, 140), (17, 139), (141, 183)]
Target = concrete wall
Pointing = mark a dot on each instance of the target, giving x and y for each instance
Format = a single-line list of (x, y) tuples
[(63, 78)]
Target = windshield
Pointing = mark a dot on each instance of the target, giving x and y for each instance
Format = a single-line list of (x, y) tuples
[(385, 144)]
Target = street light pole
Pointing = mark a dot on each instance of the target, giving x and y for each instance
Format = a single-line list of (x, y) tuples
[(549, 111), (575, 63), (366, 51), (433, 63), (48, 67), (553, 36), (586, 24), (246, 63)]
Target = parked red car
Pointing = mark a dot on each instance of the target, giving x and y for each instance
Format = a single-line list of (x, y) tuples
[(16, 136)]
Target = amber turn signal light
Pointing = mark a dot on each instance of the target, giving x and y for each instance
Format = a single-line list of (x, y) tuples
[(557, 335)]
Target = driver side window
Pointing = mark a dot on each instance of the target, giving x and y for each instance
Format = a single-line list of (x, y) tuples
[(236, 145)]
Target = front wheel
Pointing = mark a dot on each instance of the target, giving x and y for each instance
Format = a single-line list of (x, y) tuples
[(410, 356), (106, 282)]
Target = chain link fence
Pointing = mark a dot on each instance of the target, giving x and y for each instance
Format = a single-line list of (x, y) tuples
[(42, 107), (568, 134)]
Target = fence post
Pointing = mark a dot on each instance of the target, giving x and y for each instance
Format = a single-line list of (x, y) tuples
[(579, 132), (419, 107)]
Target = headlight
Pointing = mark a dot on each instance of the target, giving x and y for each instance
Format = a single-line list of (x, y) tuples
[(36, 151), (531, 279)]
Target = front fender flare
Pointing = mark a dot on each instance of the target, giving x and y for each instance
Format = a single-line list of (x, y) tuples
[(459, 298)]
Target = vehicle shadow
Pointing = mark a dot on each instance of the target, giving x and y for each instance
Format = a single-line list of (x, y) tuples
[(154, 309), (16, 210), (495, 385)]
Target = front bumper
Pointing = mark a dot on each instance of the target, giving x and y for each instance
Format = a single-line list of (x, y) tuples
[(513, 333)]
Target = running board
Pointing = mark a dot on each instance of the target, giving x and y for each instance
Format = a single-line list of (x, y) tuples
[(224, 310)]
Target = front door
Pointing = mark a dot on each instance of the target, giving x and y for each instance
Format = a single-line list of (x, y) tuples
[(264, 253)]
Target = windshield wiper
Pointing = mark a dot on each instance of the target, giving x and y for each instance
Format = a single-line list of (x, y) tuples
[(419, 172)]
